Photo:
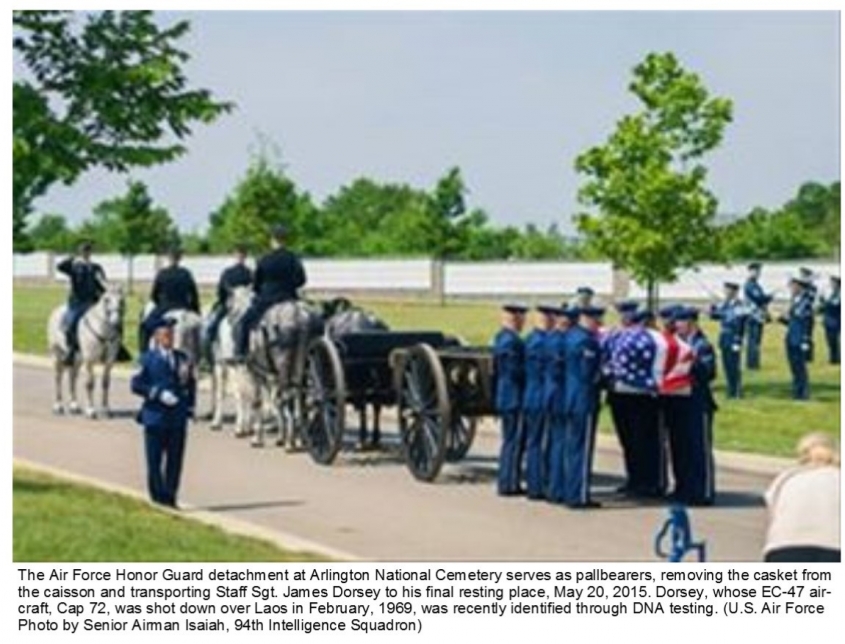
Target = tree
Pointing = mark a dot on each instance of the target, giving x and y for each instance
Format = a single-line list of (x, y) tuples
[(654, 213), (99, 90), (52, 233), (264, 197), (131, 225)]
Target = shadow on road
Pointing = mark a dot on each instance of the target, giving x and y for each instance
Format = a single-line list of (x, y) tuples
[(253, 505)]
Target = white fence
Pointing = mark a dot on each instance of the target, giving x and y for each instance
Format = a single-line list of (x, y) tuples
[(426, 277)]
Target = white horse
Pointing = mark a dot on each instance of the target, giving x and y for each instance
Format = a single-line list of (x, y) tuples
[(100, 336), (223, 353), (271, 379)]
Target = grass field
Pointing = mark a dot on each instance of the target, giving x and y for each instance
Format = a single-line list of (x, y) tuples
[(766, 421), (64, 521)]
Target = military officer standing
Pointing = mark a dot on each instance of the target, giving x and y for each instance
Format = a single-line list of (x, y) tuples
[(811, 293), (87, 284), (798, 329), (732, 315), (831, 310), (173, 289), (509, 374), (692, 450), (533, 400), (167, 384), (278, 277), (555, 392), (238, 274), (583, 374), (758, 302)]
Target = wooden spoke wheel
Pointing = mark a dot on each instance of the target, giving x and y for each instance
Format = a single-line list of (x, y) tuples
[(424, 412), (325, 401), (460, 438)]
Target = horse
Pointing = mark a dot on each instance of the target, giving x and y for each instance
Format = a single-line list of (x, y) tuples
[(342, 318), (100, 333), (272, 375), (223, 353)]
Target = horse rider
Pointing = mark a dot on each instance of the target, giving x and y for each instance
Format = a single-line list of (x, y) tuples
[(238, 274), (509, 374), (167, 383), (758, 301), (278, 277), (87, 284), (798, 334), (831, 310), (583, 376), (732, 315), (694, 448), (174, 288)]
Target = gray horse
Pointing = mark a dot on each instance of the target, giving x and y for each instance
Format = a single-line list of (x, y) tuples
[(271, 378), (100, 336), (223, 353), (343, 317)]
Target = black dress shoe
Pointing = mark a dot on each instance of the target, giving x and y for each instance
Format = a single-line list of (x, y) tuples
[(589, 505)]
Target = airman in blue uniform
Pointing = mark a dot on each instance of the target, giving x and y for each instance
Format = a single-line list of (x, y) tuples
[(509, 374), (732, 314), (534, 402), (556, 403), (798, 329), (831, 310), (812, 293), (622, 422), (692, 450), (583, 375), (87, 284), (758, 302), (174, 288), (167, 383)]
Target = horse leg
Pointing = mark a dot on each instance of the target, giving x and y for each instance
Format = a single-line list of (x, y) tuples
[(218, 389), (241, 413), (73, 378), (377, 424), (105, 384), (362, 426), (258, 416), (58, 373), (90, 410)]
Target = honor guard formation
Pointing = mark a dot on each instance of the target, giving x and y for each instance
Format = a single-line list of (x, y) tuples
[(655, 372)]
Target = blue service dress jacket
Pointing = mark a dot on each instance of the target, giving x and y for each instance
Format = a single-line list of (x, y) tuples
[(157, 375)]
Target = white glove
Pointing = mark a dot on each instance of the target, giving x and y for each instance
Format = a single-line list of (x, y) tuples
[(736, 348), (805, 347), (168, 398)]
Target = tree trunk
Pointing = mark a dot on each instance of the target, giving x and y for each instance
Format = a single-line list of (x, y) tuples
[(130, 273), (653, 298)]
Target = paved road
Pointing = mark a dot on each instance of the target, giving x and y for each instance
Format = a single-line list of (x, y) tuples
[(368, 504)]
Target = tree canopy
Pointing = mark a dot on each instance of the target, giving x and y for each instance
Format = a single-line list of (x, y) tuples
[(98, 90)]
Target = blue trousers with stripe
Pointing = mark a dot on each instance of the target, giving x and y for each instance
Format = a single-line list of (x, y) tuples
[(535, 460), (579, 442), (556, 484), (510, 455)]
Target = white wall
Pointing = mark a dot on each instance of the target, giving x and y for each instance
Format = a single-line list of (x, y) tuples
[(31, 265), (366, 275), (525, 278)]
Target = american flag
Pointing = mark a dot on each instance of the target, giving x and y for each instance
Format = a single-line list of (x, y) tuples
[(650, 360)]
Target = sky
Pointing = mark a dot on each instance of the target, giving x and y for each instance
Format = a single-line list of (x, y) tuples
[(512, 98)]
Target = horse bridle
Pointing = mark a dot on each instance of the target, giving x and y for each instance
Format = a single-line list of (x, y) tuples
[(106, 340)]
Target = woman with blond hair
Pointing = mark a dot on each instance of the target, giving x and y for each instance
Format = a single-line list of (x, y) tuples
[(803, 505)]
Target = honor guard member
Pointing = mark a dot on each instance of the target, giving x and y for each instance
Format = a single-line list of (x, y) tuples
[(583, 297), (831, 317), (627, 310), (798, 329), (758, 303), (167, 384), (173, 289), (731, 314), (812, 293), (583, 373), (533, 399), (87, 284), (238, 274), (556, 403), (509, 374), (692, 450), (278, 277)]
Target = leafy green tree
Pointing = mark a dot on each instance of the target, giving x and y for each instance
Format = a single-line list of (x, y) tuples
[(131, 224), (98, 90), (263, 198), (52, 233), (769, 235), (653, 212)]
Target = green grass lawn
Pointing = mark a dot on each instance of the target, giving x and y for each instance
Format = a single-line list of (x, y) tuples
[(767, 421), (54, 520)]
